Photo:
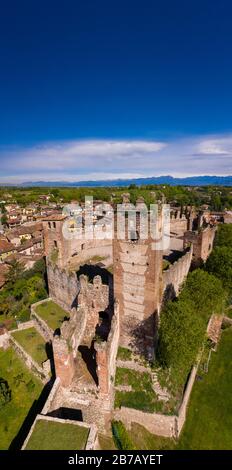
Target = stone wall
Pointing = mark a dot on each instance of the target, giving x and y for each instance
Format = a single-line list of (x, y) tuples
[(45, 331), (73, 329), (25, 325), (63, 286), (76, 244), (156, 423), (54, 393), (202, 242), (4, 339), (102, 249), (227, 217), (106, 355), (161, 425), (178, 225), (184, 404), (94, 298), (63, 360), (175, 275), (28, 361)]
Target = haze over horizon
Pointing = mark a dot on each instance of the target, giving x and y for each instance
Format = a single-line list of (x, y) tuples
[(115, 91)]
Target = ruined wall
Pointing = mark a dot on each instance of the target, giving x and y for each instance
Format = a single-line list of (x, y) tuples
[(53, 395), (183, 407), (178, 225), (63, 286), (25, 325), (63, 360), (227, 217), (28, 361), (43, 328), (73, 329), (174, 276), (156, 423), (162, 425), (106, 355), (202, 242), (94, 297), (206, 241), (4, 338), (77, 244)]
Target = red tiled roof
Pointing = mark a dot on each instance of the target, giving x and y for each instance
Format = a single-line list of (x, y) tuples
[(5, 246)]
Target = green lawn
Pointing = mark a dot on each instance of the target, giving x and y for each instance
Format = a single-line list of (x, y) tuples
[(25, 389), (106, 442), (209, 419), (33, 343), (144, 440), (142, 396), (52, 314), (49, 435), (124, 354)]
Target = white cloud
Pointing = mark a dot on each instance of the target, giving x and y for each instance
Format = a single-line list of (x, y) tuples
[(93, 159), (215, 147)]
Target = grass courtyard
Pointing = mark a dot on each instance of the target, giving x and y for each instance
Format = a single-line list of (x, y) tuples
[(208, 424), (52, 314), (33, 343), (50, 435), (25, 389), (141, 396)]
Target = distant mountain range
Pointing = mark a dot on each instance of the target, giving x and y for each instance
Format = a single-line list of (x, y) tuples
[(188, 181)]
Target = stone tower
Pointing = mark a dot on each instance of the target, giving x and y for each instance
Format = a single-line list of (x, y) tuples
[(54, 242), (138, 290)]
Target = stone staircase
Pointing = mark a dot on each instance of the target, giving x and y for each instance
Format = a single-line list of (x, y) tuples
[(162, 393)]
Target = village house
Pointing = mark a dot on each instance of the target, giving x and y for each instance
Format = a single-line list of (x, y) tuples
[(6, 248)]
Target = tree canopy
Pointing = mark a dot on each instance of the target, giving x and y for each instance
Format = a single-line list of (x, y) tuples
[(224, 235), (219, 263), (180, 337), (206, 293)]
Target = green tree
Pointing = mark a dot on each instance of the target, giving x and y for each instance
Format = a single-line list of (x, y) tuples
[(216, 202), (206, 293), (180, 337), (121, 436), (15, 272), (219, 263), (5, 392), (224, 235)]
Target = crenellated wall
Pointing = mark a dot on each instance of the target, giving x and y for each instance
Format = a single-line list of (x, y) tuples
[(174, 277), (178, 225)]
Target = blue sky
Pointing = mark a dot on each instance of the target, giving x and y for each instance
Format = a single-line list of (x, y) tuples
[(102, 89)]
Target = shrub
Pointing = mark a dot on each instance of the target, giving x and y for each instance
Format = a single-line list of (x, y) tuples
[(124, 354), (219, 263), (30, 386), (5, 392), (121, 437), (180, 337), (206, 293)]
